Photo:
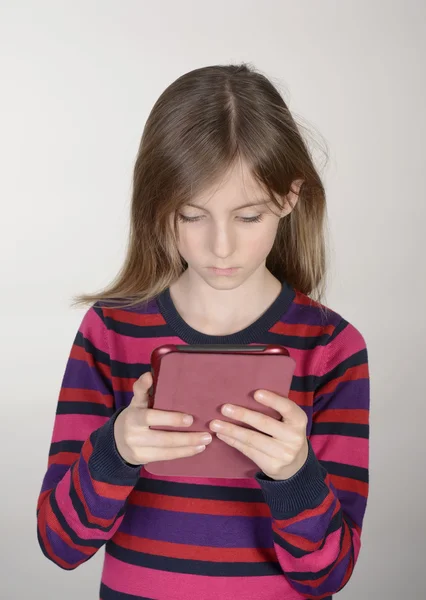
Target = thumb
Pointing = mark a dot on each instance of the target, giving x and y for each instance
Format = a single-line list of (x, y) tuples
[(140, 391)]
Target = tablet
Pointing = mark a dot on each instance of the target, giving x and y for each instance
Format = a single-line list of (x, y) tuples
[(199, 380)]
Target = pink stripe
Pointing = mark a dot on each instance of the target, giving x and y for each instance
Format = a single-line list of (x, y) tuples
[(342, 449), (93, 328), (323, 557), (348, 342), (76, 427), (141, 581), (306, 360), (70, 515), (141, 347)]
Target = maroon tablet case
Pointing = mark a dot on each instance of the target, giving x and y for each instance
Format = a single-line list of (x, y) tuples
[(199, 381)]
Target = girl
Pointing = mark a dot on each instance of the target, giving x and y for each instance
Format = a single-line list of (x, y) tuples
[(226, 246)]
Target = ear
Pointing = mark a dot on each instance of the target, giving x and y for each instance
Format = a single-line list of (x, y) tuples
[(292, 197)]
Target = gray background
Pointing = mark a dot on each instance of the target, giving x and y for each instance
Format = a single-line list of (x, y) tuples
[(78, 80)]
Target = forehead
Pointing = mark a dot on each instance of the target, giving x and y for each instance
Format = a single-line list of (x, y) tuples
[(236, 187)]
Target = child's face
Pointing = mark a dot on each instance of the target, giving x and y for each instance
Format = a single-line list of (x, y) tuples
[(222, 235)]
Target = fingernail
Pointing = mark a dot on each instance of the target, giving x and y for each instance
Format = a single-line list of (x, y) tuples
[(200, 448), (187, 419), (206, 438), (228, 410)]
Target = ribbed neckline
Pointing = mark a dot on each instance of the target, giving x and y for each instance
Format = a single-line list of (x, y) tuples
[(252, 333)]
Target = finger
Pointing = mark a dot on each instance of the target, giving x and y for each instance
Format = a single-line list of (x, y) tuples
[(156, 454), (259, 421), (155, 417), (289, 410), (174, 439), (140, 391), (248, 437), (263, 461)]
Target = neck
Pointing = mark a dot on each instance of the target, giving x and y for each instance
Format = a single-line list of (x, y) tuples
[(222, 312)]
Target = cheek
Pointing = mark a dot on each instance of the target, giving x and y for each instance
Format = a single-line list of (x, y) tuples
[(189, 242), (260, 240)]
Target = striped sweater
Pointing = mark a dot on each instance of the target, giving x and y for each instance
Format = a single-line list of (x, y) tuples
[(185, 538)]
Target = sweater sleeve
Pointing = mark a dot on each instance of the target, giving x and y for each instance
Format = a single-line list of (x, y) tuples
[(317, 514), (86, 485)]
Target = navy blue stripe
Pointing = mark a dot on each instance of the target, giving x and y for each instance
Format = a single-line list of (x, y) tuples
[(349, 429), (334, 525), (79, 509), (107, 593), (74, 537), (340, 327), (355, 360), (98, 355), (83, 408), (202, 492), (349, 471), (192, 567), (65, 446)]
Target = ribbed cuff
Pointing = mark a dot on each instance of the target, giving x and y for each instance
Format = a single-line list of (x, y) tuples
[(105, 463), (305, 489)]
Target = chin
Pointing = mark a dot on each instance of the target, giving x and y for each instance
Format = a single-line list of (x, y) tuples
[(225, 283)]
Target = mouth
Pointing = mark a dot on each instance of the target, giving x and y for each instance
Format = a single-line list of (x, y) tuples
[(228, 271)]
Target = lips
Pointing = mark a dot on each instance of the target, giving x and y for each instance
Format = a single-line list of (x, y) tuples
[(227, 271)]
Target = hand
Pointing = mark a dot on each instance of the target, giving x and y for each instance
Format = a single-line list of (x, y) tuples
[(279, 448), (139, 445)]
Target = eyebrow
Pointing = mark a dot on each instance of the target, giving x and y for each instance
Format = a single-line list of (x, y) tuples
[(247, 205)]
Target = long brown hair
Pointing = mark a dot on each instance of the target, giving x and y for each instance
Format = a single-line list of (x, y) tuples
[(200, 125)]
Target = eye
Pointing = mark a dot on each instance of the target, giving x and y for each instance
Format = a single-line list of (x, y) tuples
[(185, 219), (255, 219)]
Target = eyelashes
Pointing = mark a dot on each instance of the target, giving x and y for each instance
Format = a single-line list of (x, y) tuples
[(255, 219)]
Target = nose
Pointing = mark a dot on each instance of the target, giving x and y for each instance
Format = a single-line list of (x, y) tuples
[(222, 240)]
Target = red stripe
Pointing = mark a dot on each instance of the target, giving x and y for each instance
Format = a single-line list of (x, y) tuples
[(47, 517), (298, 541), (42, 498), (301, 330), (123, 384), (349, 485), (79, 353), (301, 398), (89, 516), (199, 506), (54, 524), (185, 551), (307, 514), (63, 458), (77, 394), (305, 300), (122, 316), (351, 374), (342, 415)]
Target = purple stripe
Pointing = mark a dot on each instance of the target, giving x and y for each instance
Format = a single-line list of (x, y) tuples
[(53, 476), (122, 398), (62, 550), (79, 374), (149, 308), (351, 394), (353, 505), (313, 528), (309, 315), (198, 530), (99, 506)]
